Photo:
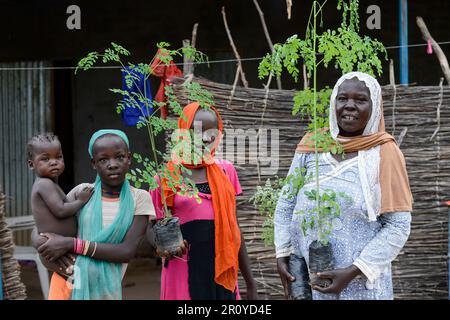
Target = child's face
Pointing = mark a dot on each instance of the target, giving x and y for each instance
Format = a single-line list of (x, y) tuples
[(48, 160), (111, 160), (353, 107), (208, 120)]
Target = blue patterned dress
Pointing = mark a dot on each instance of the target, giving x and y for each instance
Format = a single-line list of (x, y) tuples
[(370, 245)]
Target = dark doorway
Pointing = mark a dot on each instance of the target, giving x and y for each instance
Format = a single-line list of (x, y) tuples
[(62, 106)]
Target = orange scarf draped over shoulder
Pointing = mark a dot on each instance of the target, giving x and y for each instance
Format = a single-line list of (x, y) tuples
[(394, 183), (227, 233)]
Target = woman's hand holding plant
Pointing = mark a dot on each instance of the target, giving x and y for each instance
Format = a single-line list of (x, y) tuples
[(340, 278)]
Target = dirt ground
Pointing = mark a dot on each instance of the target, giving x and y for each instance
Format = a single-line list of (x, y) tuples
[(141, 281)]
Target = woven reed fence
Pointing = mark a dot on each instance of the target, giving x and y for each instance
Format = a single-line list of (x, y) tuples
[(420, 271), (13, 288)]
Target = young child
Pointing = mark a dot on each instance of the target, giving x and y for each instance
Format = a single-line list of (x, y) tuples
[(51, 210)]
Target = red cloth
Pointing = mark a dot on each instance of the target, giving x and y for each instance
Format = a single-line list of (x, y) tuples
[(166, 73)]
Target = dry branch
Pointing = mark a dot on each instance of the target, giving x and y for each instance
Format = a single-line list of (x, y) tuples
[(439, 53), (266, 33), (194, 35), (236, 53)]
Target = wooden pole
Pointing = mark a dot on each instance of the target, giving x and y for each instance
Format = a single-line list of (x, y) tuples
[(266, 33), (439, 53), (188, 67), (305, 78), (233, 89), (236, 53), (288, 7), (194, 35), (438, 112)]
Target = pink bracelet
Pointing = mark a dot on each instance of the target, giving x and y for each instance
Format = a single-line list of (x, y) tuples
[(74, 245), (80, 246)]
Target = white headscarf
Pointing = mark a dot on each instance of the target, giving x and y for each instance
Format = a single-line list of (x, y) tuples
[(375, 95), (368, 160)]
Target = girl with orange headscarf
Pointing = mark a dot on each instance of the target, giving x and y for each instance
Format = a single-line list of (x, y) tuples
[(374, 225), (215, 247)]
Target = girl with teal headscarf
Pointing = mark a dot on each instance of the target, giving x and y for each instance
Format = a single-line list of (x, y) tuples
[(111, 224)]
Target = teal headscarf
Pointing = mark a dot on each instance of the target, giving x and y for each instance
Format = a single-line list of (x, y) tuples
[(96, 279), (102, 132)]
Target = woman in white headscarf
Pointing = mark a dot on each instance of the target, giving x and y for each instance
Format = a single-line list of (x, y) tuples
[(373, 227)]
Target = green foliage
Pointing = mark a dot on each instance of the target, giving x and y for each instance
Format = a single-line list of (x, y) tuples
[(296, 180), (303, 105), (197, 93), (321, 217), (350, 16), (153, 166), (346, 50), (324, 141), (305, 109), (343, 47), (194, 55), (110, 54), (120, 50), (174, 105), (266, 197), (350, 51), (87, 62), (287, 55)]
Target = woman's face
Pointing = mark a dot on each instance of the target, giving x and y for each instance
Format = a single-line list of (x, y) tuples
[(111, 160), (353, 107)]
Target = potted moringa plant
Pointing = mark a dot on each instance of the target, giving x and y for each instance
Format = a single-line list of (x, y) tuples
[(134, 95), (265, 200), (348, 51)]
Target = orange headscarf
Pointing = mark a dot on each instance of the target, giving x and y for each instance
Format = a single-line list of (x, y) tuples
[(227, 234)]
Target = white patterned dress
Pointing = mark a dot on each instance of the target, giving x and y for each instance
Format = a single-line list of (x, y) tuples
[(370, 245)]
